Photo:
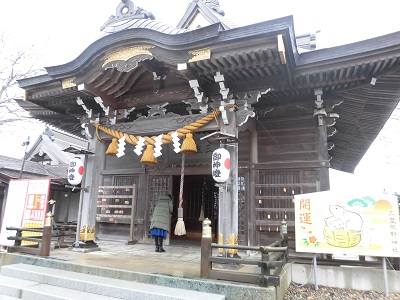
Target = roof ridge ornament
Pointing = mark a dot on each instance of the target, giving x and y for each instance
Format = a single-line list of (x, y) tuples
[(127, 10), (214, 5)]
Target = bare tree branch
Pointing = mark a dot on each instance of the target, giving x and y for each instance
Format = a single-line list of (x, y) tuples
[(14, 65)]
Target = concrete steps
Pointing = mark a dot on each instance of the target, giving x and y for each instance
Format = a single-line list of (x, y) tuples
[(14, 288), (24, 281)]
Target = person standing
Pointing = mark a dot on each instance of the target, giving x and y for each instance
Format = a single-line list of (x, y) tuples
[(161, 220)]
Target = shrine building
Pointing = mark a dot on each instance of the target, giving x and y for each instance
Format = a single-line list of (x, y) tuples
[(155, 103)]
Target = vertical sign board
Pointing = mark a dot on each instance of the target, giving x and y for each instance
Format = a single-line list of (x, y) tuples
[(14, 209), (26, 206), (35, 208), (335, 223)]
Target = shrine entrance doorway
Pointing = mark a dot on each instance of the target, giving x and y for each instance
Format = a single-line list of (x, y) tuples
[(200, 200)]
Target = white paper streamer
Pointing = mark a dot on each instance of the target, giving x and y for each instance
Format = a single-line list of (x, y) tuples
[(121, 147), (158, 146), (139, 146), (175, 140)]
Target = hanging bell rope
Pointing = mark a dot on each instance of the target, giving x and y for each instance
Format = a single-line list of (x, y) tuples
[(180, 225), (203, 198)]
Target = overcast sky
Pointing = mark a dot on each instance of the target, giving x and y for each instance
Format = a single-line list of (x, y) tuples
[(61, 30)]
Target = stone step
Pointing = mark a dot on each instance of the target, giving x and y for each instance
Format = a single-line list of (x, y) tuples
[(110, 287), (12, 287), (15, 288), (5, 297)]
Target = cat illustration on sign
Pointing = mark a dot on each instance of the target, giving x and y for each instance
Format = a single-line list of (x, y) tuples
[(343, 219), (349, 221)]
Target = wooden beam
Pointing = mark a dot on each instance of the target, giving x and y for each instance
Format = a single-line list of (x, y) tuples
[(112, 82), (281, 49), (292, 165), (165, 95), (107, 100), (163, 125), (132, 85), (238, 277)]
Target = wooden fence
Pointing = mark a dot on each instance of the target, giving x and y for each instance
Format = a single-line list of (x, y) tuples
[(270, 262), (42, 242)]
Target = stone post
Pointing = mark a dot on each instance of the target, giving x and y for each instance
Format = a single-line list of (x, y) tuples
[(206, 240)]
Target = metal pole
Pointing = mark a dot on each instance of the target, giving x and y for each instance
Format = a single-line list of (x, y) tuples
[(315, 272), (385, 276), (23, 159), (80, 208)]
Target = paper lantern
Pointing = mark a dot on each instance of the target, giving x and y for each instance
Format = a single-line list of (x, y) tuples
[(221, 165), (75, 171)]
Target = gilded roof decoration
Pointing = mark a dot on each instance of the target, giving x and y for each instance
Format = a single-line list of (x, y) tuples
[(127, 58), (69, 82), (201, 54)]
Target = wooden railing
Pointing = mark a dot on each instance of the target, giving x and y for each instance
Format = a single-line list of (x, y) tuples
[(61, 231), (271, 261), (43, 241)]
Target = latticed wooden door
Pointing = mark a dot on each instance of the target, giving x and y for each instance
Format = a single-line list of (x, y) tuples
[(274, 197), (242, 220), (200, 201), (119, 180)]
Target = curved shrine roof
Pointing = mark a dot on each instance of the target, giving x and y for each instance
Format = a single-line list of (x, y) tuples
[(129, 16), (363, 76)]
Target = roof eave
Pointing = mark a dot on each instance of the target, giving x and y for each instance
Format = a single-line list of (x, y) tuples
[(377, 45), (187, 40)]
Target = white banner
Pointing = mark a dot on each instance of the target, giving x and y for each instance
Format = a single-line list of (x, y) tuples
[(14, 209)]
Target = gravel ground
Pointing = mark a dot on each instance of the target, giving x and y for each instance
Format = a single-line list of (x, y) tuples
[(308, 292)]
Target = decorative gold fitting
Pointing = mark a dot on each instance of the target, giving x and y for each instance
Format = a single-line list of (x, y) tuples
[(201, 54), (220, 242), (232, 240), (69, 82), (87, 234)]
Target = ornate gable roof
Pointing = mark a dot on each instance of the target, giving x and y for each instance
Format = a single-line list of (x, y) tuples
[(201, 13), (128, 16), (50, 145)]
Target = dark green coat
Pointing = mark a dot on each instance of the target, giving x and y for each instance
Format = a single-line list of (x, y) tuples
[(162, 213)]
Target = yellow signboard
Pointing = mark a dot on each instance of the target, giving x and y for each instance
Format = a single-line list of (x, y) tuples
[(334, 223)]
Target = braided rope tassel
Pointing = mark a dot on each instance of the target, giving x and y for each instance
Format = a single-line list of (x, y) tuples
[(180, 225)]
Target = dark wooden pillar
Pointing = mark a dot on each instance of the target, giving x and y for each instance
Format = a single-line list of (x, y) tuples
[(322, 142), (250, 205)]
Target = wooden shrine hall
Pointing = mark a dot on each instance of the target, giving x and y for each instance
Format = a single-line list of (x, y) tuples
[(285, 112)]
